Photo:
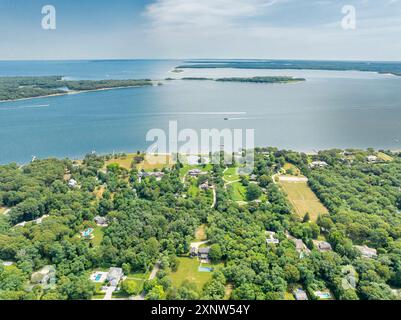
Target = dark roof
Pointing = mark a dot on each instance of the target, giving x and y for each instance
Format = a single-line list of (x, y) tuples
[(204, 250)]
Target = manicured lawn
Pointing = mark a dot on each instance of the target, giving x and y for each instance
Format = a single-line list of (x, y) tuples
[(288, 296), (303, 199), (124, 162), (231, 174), (188, 270), (193, 191), (98, 294), (237, 191), (385, 157), (152, 162), (98, 233), (138, 276)]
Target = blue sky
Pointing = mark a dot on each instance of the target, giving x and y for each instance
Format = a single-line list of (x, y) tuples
[(293, 29)]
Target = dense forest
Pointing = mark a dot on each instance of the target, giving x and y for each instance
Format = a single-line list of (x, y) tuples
[(380, 67), (12, 88), (249, 80), (153, 220)]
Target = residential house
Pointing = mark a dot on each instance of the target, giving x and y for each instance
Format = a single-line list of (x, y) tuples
[(196, 172), (45, 276), (301, 247), (372, 159), (367, 252), (300, 294), (322, 246), (114, 276), (203, 253), (72, 183), (318, 164), (271, 238), (205, 186), (101, 221), (193, 252)]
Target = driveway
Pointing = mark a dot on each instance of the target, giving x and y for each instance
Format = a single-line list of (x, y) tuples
[(109, 293)]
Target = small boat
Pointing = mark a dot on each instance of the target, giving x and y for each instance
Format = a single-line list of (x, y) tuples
[(226, 119)]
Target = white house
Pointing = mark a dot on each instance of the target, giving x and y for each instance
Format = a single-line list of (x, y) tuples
[(367, 252), (72, 183), (114, 276), (372, 158), (271, 238), (318, 164)]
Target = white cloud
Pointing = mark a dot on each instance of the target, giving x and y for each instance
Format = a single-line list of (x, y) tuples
[(204, 13)]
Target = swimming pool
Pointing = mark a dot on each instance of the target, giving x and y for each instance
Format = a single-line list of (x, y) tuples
[(98, 277), (205, 269), (87, 232)]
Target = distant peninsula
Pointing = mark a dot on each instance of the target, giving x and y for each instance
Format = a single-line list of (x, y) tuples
[(280, 79), (17, 88), (393, 68)]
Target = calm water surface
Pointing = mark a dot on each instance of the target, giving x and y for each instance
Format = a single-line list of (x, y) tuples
[(331, 109)]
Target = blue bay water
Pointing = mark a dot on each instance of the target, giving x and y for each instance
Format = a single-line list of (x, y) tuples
[(331, 109)]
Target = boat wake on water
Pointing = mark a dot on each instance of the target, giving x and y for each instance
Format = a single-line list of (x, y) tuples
[(26, 107)]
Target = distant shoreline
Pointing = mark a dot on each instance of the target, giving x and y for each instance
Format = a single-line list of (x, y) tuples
[(72, 92)]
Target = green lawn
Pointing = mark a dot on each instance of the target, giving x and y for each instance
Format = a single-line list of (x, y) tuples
[(237, 191), (303, 200), (98, 233), (188, 270), (288, 296), (231, 174), (98, 294), (385, 157), (193, 191)]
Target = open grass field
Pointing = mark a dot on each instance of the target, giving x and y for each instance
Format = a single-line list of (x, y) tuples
[(188, 270), (385, 157), (98, 233), (303, 199), (150, 162), (124, 162), (231, 174), (237, 191)]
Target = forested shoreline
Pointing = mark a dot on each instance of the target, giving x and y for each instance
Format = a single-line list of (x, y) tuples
[(15, 88)]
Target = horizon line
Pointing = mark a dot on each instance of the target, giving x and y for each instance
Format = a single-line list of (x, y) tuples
[(198, 59)]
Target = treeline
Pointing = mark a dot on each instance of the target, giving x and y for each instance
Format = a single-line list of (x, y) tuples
[(12, 88)]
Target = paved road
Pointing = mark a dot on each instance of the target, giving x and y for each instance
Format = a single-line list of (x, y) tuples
[(214, 197)]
